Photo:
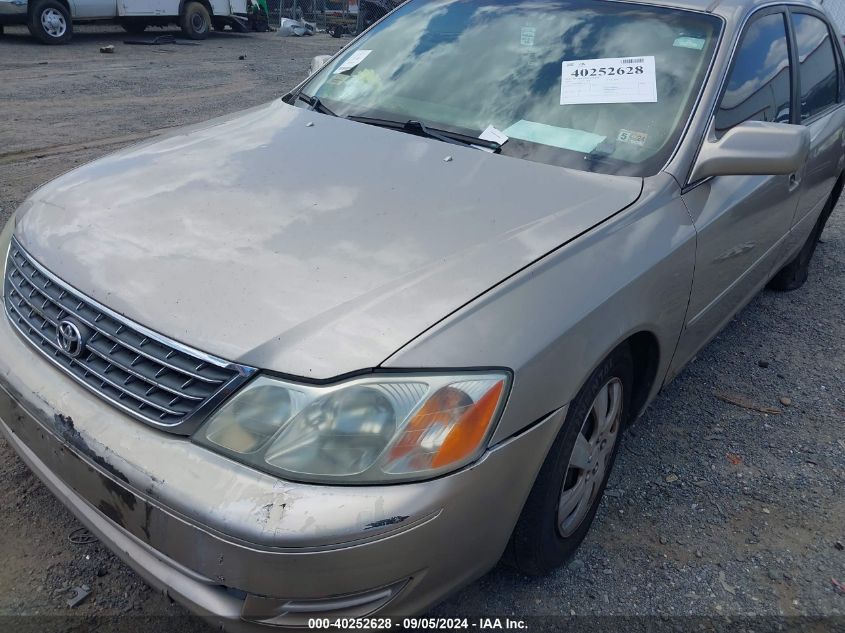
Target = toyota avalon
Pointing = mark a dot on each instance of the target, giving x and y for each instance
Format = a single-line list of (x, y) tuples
[(339, 354)]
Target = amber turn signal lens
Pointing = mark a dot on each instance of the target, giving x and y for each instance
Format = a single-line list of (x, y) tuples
[(465, 436), (448, 428)]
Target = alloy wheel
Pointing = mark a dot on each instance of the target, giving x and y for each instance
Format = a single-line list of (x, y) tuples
[(53, 22), (590, 457)]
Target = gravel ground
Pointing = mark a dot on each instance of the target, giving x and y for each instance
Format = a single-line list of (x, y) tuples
[(713, 510)]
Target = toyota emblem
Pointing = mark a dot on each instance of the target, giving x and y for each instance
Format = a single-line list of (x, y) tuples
[(69, 338)]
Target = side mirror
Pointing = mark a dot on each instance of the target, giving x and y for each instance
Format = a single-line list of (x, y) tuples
[(317, 62), (754, 148)]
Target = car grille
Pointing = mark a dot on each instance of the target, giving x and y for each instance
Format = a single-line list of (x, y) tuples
[(159, 381)]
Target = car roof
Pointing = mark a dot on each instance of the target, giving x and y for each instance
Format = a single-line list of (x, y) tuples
[(725, 7)]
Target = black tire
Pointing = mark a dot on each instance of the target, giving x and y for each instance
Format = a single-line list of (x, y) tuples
[(195, 21), (134, 27), (795, 273), (537, 545), (49, 22)]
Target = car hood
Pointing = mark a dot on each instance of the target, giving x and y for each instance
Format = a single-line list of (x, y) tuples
[(294, 241)]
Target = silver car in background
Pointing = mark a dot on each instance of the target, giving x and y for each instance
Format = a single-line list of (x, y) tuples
[(284, 393)]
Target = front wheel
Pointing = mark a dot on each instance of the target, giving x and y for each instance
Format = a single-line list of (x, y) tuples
[(49, 22), (561, 505), (196, 22)]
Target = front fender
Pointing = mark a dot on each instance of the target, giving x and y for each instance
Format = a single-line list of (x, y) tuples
[(555, 321)]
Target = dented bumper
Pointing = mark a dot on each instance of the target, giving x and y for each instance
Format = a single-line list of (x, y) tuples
[(233, 543)]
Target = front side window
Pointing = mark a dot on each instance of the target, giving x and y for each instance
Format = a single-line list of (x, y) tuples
[(759, 85), (819, 75), (587, 84)]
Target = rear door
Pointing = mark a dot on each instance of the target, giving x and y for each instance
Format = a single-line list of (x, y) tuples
[(149, 7), (743, 222), (820, 89)]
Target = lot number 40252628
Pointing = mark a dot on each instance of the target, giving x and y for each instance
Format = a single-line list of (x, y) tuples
[(608, 71)]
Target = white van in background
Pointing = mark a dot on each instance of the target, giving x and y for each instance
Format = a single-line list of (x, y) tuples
[(836, 10), (51, 21)]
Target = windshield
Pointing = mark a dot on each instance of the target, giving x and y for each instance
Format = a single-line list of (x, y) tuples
[(588, 84)]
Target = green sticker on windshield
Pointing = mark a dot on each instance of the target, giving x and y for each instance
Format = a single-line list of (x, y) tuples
[(695, 43), (563, 137)]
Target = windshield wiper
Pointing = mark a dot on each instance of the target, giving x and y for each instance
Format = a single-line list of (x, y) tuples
[(315, 103), (601, 152), (421, 129)]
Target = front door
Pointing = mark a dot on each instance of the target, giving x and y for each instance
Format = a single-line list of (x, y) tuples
[(93, 9), (743, 222)]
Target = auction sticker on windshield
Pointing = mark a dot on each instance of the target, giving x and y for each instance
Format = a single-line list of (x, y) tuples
[(527, 35), (352, 61), (610, 80)]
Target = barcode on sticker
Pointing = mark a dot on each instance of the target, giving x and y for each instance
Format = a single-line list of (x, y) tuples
[(638, 60)]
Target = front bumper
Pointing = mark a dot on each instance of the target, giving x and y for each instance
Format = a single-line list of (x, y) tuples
[(216, 535), (12, 12)]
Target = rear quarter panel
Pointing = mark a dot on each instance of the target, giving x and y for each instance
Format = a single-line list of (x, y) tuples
[(224, 7)]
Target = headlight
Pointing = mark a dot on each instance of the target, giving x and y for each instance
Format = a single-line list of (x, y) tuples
[(377, 429)]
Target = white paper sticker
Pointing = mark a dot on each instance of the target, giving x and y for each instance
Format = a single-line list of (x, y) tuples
[(353, 60), (611, 80), (493, 134), (526, 37)]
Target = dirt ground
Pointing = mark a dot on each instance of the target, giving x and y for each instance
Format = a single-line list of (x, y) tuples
[(712, 511)]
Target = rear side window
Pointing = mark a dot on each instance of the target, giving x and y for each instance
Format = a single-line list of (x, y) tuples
[(759, 85), (819, 76)]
